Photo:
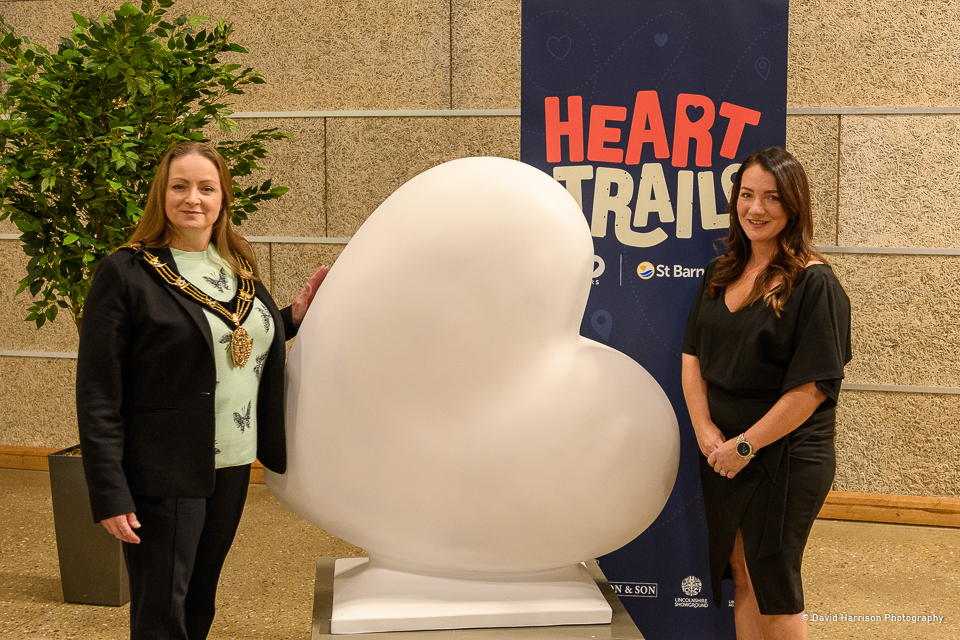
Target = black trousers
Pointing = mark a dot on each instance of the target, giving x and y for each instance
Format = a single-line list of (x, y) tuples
[(175, 569)]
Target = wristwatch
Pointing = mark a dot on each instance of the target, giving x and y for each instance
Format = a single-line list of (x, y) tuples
[(744, 448)]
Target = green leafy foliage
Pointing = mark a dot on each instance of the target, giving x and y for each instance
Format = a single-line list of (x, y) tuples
[(84, 129)]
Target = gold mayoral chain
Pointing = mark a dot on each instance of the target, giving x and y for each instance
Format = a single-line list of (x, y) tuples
[(240, 342)]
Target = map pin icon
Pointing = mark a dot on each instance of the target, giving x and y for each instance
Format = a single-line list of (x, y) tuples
[(762, 65), (602, 322)]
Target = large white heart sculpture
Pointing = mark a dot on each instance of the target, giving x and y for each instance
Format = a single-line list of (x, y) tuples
[(443, 411)]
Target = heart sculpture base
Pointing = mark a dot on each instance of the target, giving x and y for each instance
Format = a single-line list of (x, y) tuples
[(369, 597)]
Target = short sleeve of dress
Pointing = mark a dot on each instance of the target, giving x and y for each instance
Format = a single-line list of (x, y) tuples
[(690, 333), (822, 337)]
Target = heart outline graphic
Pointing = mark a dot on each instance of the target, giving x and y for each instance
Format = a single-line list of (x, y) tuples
[(559, 47)]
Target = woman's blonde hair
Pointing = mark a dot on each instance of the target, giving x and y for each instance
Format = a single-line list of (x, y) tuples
[(154, 229)]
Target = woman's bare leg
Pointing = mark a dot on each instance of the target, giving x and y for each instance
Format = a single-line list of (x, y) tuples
[(790, 627), (746, 611)]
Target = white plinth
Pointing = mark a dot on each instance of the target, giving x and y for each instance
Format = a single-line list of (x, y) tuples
[(369, 598)]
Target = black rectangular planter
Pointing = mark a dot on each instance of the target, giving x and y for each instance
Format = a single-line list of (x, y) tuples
[(92, 570)]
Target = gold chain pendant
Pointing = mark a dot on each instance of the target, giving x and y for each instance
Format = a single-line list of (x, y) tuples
[(240, 346)]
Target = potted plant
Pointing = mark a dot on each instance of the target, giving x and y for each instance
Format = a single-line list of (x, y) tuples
[(82, 132)]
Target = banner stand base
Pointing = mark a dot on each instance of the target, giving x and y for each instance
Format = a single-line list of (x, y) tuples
[(347, 589)]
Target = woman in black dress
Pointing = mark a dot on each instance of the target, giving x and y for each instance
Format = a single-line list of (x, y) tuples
[(763, 356)]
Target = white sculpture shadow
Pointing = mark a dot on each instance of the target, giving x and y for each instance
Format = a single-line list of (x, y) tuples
[(444, 413)]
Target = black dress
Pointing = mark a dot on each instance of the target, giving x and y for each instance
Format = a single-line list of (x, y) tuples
[(749, 359)]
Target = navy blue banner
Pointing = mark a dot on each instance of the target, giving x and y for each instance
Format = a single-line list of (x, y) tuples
[(643, 110)]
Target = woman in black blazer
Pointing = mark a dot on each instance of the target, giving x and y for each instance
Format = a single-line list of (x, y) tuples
[(179, 389)]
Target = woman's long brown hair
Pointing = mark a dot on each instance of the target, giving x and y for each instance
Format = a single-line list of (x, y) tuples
[(154, 228), (794, 243)]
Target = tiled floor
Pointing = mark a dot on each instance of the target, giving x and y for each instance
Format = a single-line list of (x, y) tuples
[(853, 572)]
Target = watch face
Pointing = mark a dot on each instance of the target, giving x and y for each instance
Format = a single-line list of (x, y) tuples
[(744, 449)]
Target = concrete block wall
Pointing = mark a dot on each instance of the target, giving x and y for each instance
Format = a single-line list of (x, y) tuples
[(873, 112)]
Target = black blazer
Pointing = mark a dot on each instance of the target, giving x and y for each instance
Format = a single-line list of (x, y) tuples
[(146, 381)]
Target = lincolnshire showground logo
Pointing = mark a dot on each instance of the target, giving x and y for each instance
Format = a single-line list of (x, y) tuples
[(645, 270), (691, 585)]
